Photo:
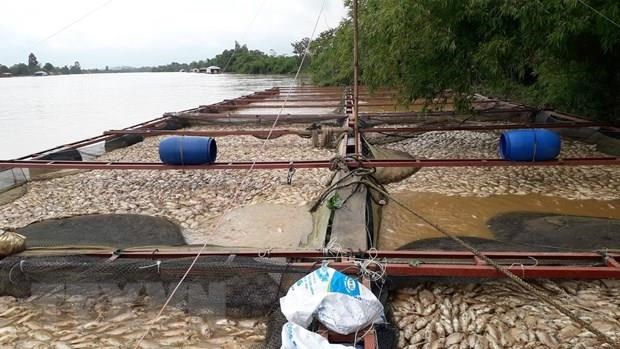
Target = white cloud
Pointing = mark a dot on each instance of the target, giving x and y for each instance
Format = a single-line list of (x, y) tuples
[(148, 32)]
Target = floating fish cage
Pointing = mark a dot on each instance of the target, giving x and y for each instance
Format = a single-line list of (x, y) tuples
[(233, 282)]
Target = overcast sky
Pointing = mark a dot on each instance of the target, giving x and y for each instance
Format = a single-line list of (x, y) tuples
[(152, 32)]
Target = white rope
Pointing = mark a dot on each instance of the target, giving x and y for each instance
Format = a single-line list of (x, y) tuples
[(79, 19), (158, 265), (251, 168), (247, 29), (152, 322), (288, 94)]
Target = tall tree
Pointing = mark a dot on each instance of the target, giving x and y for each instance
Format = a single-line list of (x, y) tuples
[(75, 68), (33, 63), (554, 53), (299, 47)]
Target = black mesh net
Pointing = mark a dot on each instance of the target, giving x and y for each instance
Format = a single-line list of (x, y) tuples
[(224, 301), (92, 302)]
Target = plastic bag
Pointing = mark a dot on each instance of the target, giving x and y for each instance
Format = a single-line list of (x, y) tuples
[(11, 243), (339, 302), (297, 337)]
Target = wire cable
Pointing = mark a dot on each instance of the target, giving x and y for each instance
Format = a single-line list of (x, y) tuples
[(600, 13), (506, 272), (253, 164), (247, 29), (79, 19), (288, 94)]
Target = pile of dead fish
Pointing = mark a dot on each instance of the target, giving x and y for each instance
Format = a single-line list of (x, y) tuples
[(580, 183), (194, 199), (113, 323), (500, 315)]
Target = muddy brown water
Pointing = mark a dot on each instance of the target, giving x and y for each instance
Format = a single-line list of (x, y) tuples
[(469, 216)]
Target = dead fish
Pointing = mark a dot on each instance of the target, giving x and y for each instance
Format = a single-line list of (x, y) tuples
[(8, 338), (493, 332), (568, 332), (417, 337), (61, 345), (453, 339), (119, 331), (68, 337), (8, 330), (112, 341), (9, 311), (456, 325), (426, 297), (123, 317), (447, 325), (205, 331), (30, 344), (409, 331), (174, 333), (421, 322), (546, 339), (225, 322), (441, 332), (255, 338), (437, 344), (83, 339), (25, 318), (147, 344), (218, 340), (429, 310), (41, 335)]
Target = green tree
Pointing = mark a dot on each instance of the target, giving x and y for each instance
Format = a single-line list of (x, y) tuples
[(75, 68), (20, 69), (48, 67), (33, 63), (299, 47), (556, 53), (4, 69)]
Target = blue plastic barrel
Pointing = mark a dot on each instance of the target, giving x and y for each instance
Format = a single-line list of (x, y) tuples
[(187, 150), (529, 145)]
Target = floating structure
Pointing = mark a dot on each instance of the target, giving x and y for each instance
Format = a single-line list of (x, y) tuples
[(344, 235), (210, 70)]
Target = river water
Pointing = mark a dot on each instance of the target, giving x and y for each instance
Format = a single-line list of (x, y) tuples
[(38, 113)]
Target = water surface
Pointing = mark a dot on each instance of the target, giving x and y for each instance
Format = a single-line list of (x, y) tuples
[(38, 113)]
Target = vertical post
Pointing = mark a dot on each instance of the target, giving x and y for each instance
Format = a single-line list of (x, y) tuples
[(356, 78)]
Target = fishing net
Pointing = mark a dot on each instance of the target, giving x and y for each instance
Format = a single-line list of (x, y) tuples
[(224, 299), (12, 184), (386, 175)]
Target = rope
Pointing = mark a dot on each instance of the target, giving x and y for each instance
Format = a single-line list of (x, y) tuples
[(599, 13), (244, 34), (540, 295), (275, 122), (242, 183), (152, 322), (87, 14)]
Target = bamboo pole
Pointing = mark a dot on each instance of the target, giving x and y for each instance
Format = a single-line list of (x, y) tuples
[(356, 76)]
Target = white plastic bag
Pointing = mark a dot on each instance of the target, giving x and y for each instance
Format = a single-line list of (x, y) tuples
[(339, 302), (297, 337)]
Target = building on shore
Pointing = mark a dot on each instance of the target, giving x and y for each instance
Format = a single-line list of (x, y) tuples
[(40, 73), (213, 69)]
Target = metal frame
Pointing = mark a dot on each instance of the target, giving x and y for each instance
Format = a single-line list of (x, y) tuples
[(433, 263)]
